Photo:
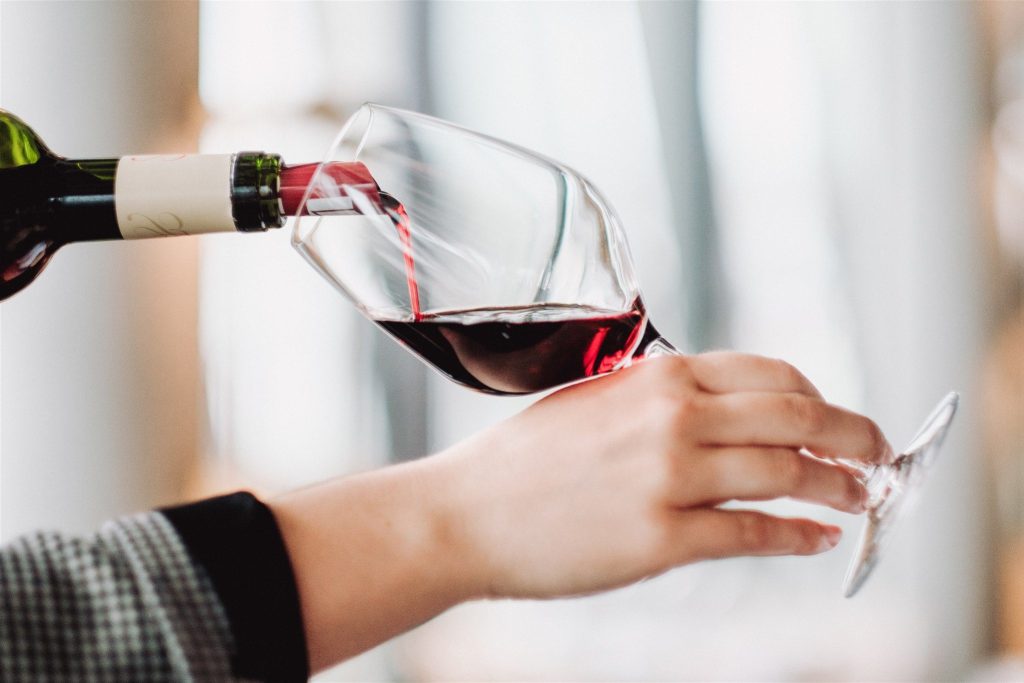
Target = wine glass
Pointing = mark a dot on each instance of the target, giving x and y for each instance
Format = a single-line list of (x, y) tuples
[(503, 269)]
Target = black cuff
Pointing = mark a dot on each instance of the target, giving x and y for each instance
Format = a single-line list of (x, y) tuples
[(238, 543)]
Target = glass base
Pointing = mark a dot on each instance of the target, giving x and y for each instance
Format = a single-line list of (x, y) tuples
[(892, 488)]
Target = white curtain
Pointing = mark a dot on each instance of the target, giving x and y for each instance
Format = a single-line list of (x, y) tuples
[(843, 140)]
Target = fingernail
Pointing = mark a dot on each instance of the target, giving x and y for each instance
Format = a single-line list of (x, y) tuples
[(889, 456), (830, 539)]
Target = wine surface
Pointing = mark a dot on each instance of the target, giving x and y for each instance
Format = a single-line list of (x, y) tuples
[(522, 349)]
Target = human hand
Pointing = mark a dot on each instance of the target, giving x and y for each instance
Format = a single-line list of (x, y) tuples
[(595, 486), (609, 481)]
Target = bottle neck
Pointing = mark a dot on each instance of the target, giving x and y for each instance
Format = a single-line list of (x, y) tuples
[(83, 208), (138, 197), (189, 194)]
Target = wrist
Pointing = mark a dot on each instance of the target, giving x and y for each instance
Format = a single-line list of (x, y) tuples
[(372, 555), (472, 522), (430, 526), (458, 544)]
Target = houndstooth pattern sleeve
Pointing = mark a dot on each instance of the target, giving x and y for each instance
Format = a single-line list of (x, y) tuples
[(125, 604)]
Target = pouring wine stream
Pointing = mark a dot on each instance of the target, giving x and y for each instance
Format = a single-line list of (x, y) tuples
[(355, 179)]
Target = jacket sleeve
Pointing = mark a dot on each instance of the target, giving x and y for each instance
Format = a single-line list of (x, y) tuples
[(201, 592)]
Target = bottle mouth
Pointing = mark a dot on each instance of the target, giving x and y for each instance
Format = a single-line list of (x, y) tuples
[(255, 192)]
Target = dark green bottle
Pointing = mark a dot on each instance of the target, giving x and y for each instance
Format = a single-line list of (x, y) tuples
[(47, 201)]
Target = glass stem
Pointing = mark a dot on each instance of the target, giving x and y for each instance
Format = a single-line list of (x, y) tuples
[(653, 345), (660, 347), (877, 478)]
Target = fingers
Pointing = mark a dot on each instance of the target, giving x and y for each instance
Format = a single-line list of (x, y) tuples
[(792, 420), (752, 473), (777, 406), (710, 533), (724, 372)]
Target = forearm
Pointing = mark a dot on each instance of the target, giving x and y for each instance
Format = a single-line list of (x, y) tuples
[(372, 557)]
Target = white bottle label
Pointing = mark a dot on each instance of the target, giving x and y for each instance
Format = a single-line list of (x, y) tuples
[(158, 195)]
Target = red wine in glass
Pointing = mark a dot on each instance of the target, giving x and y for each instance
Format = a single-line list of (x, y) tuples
[(509, 350), (523, 349)]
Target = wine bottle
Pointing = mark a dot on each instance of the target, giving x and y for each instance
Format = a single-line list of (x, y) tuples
[(47, 201)]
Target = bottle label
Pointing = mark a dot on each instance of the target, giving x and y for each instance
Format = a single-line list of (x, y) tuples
[(158, 195)]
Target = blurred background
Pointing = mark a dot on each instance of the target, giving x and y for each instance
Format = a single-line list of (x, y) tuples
[(837, 184)]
